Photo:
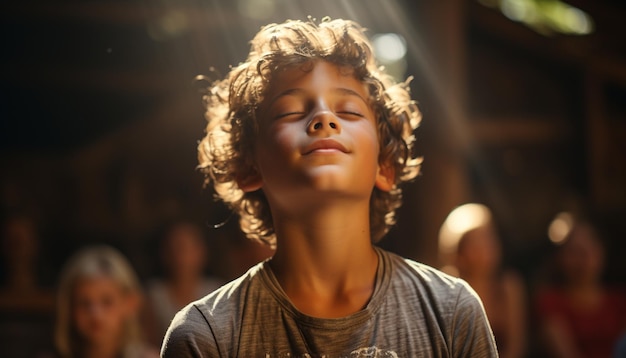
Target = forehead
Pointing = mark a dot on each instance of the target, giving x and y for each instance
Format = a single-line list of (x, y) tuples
[(96, 284), (313, 76)]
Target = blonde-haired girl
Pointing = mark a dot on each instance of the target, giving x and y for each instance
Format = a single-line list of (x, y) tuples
[(97, 309)]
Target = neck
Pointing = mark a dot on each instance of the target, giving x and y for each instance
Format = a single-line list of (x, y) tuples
[(586, 294), (326, 257), (108, 349), (183, 289), (482, 277), (185, 281), (482, 284), (584, 285)]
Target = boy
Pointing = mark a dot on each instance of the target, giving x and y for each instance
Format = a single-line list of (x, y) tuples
[(308, 140)]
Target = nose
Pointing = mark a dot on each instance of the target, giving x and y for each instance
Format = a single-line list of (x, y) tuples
[(324, 122)]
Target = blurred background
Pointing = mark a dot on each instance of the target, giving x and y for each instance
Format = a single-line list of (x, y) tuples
[(524, 105)]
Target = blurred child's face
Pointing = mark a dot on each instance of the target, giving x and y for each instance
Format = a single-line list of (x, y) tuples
[(185, 251), (582, 255), (479, 251), (317, 135), (100, 309)]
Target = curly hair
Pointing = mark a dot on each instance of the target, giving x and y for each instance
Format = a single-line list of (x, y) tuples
[(226, 152)]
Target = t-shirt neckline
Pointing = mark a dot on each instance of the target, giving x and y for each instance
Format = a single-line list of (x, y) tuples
[(381, 285)]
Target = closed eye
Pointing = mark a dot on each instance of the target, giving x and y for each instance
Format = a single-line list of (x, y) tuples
[(351, 113), (289, 114)]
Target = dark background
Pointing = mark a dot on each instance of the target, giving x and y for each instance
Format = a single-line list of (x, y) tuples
[(100, 118)]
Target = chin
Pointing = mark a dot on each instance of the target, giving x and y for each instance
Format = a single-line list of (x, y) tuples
[(331, 178)]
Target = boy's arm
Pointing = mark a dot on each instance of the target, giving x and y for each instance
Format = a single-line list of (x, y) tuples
[(189, 335), (471, 333)]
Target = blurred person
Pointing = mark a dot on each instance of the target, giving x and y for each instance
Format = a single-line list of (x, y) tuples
[(243, 254), (470, 249), (26, 306), (578, 314), (21, 289), (184, 255), (97, 307)]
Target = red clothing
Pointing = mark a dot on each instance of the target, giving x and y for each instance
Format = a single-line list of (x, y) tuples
[(596, 330)]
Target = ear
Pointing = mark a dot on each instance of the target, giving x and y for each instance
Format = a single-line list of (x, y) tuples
[(250, 181), (385, 178)]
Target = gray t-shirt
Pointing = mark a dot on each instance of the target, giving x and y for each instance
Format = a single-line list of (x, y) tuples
[(415, 311)]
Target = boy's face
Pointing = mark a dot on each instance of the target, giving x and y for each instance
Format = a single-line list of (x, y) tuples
[(317, 135)]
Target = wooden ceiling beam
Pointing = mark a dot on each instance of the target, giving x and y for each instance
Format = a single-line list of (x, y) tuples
[(124, 82), (590, 53), (505, 131), (118, 13)]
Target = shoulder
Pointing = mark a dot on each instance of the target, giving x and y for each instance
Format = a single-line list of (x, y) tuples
[(141, 351), (436, 284), (445, 295), (210, 323), (616, 299), (617, 294), (188, 334), (449, 303)]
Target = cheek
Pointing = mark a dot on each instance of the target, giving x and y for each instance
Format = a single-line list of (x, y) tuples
[(81, 318), (99, 317), (368, 138), (284, 137), (117, 317), (278, 142)]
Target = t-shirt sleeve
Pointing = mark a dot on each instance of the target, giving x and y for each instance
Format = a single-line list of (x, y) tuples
[(471, 332), (189, 335)]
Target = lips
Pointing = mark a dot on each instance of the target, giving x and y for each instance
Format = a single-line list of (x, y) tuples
[(324, 145)]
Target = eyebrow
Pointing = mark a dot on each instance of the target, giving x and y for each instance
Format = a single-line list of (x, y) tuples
[(289, 92), (349, 92)]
